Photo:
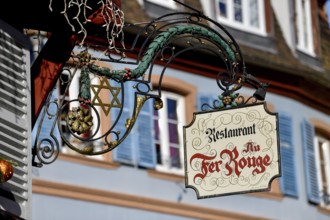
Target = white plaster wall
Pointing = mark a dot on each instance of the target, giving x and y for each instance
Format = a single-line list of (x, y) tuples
[(207, 9)]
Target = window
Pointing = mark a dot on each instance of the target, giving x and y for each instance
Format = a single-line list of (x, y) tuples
[(168, 124), (308, 134), (155, 141), (304, 27), (316, 142), (65, 95), (288, 181), (68, 95), (322, 151), (164, 3), (137, 149), (245, 15)]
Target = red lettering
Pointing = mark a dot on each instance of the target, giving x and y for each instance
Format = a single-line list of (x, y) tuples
[(232, 155), (259, 163), (233, 162), (250, 147), (205, 165)]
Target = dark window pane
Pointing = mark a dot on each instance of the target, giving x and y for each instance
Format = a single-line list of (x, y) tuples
[(173, 133), (238, 10), (238, 15), (223, 8), (156, 127), (171, 109), (159, 154), (175, 157)]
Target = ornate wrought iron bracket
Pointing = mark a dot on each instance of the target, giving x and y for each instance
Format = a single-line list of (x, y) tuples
[(164, 39)]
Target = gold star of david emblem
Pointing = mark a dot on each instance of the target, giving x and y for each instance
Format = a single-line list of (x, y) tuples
[(114, 92)]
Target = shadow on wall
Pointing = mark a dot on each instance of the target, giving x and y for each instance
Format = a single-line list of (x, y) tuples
[(9, 208)]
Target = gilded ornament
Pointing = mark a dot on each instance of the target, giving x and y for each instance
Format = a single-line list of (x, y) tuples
[(79, 120), (158, 104)]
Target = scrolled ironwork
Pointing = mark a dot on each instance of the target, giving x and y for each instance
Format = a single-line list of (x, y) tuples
[(46, 150), (164, 39)]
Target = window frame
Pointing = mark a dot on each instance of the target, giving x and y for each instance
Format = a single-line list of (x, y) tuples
[(323, 162), (321, 129), (165, 3), (163, 122), (245, 26), (189, 94), (304, 43)]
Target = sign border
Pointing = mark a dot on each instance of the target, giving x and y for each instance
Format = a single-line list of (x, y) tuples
[(232, 193)]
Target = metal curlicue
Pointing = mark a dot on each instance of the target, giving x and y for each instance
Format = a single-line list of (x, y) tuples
[(79, 120)]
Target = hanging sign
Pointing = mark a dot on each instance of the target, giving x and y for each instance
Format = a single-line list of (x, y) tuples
[(232, 151)]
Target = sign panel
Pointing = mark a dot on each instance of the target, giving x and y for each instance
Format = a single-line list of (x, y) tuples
[(232, 151)]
